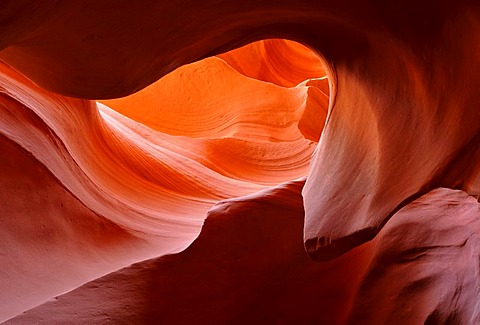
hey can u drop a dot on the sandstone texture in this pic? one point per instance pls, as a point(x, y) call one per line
point(240, 162)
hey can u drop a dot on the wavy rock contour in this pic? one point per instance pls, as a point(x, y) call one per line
point(108, 191)
point(400, 123)
point(96, 186)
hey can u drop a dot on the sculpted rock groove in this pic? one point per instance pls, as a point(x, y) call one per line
point(88, 172)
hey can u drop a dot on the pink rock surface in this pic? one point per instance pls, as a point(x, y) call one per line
point(248, 266)
point(426, 265)
point(50, 241)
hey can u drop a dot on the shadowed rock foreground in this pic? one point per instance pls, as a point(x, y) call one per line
point(179, 163)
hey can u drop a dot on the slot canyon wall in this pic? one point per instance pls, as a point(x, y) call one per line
point(240, 162)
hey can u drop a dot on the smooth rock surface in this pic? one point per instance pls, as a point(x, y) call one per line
point(403, 118)
point(248, 266)
point(85, 190)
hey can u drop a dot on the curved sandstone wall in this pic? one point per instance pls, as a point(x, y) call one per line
point(287, 162)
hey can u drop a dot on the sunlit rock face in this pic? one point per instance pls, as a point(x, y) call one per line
point(245, 185)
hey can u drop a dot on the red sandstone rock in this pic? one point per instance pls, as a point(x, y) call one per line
point(248, 266)
point(284, 63)
point(402, 120)
point(146, 192)
point(49, 241)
